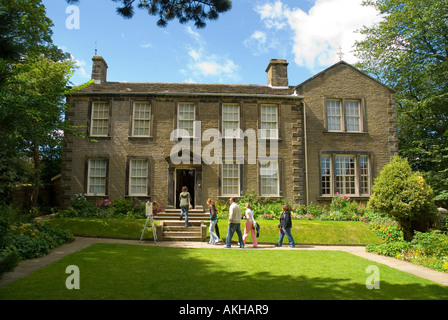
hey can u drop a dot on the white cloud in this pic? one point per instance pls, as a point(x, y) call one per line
point(145, 45)
point(318, 33)
point(80, 68)
point(203, 65)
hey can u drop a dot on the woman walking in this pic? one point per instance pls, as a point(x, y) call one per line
point(185, 200)
point(249, 216)
point(285, 228)
point(214, 239)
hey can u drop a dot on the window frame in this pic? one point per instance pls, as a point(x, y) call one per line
point(359, 176)
point(223, 129)
point(278, 178)
point(130, 177)
point(262, 134)
point(222, 177)
point(344, 116)
point(93, 120)
point(149, 120)
point(89, 176)
point(193, 104)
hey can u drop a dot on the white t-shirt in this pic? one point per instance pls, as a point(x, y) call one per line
point(249, 215)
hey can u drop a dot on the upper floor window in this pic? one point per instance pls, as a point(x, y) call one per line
point(269, 121)
point(230, 120)
point(344, 115)
point(99, 124)
point(185, 119)
point(141, 124)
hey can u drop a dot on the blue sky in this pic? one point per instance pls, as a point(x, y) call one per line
point(234, 49)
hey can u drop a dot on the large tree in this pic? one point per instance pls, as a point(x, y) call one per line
point(408, 50)
point(184, 10)
point(34, 75)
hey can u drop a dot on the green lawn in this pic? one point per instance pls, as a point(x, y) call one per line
point(303, 231)
point(113, 271)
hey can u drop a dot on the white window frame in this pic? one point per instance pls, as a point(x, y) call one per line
point(226, 131)
point(266, 175)
point(234, 179)
point(181, 119)
point(135, 176)
point(145, 120)
point(96, 118)
point(267, 132)
point(93, 176)
point(334, 115)
point(352, 119)
point(345, 177)
point(326, 177)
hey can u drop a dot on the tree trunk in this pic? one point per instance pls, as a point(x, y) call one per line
point(36, 184)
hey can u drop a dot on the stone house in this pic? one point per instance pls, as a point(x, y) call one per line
point(332, 133)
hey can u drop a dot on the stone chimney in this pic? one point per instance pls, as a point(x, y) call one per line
point(99, 69)
point(277, 73)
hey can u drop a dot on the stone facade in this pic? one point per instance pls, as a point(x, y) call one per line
point(118, 160)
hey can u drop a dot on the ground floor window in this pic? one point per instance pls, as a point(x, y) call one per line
point(345, 173)
point(97, 177)
point(138, 177)
point(269, 178)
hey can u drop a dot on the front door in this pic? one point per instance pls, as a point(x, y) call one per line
point(185, 177)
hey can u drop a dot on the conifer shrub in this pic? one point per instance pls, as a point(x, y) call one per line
point(404, 196)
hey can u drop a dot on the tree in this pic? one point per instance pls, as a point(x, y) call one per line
point(34, 75)
point(184, 10)
point(37, 94)
point(404, 196)
point(408, 50)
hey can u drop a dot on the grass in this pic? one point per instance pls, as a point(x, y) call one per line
point(303, 231)
point(113, 271)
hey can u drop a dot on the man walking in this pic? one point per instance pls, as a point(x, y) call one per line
point(234, 224)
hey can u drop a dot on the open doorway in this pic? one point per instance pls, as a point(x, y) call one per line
point(185, 177)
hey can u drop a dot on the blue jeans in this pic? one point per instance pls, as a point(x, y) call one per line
point(232, 228)
point(287, 232)
point(211, 230)
point(184, 210)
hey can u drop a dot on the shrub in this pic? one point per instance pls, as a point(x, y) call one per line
point(404, 196)
point(433, 243)
point(132, 208)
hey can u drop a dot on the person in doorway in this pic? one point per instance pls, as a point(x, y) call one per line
point(285, 228)
point(185, 200)
point(249, 216)
point(214, 239)
point(234, 224)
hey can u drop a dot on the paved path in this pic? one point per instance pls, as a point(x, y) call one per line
point(28, 266)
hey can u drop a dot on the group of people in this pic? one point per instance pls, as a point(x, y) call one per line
point(235, 225)
point(235, 222)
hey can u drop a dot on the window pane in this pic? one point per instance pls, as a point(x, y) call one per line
point(230, 178)
point(325, 175)
point(364, 175)
point(269, 121)
point(142, 117)
point(269, 177)
point(138, 177)
point(230, 120)
point(97, 176)
point(100, 119)
point(334, 115)
point(345, 175)
point(352, 117)
point(186, 117)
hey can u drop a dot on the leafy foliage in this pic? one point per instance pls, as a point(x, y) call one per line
point(404, 196)
point(182, 10)
point(407, 51)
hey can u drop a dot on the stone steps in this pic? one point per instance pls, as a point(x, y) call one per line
point(173, 229)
